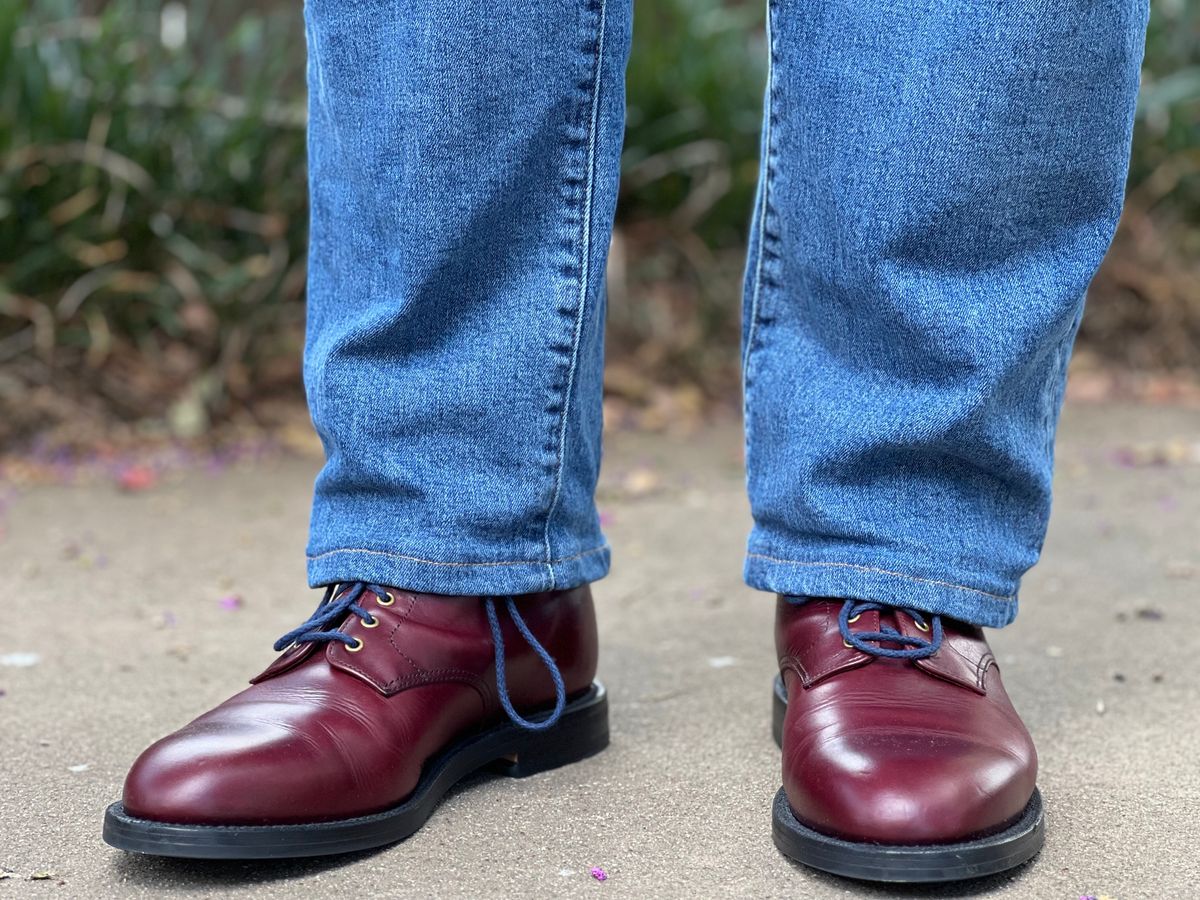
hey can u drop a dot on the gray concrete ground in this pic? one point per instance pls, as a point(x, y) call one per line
point(119, 595)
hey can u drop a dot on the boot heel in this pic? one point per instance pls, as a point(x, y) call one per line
point(581, 732)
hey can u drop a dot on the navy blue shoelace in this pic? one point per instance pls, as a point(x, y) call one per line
point(560, 689)
point(341, 600)
point(322, 624)
point(912, 647)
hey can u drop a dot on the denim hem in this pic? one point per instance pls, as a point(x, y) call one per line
point(861, 582)
point(450, 577)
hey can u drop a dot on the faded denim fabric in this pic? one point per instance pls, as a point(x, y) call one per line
point(463, 161)
point(939, 183)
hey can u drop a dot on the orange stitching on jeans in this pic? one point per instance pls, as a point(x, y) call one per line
point(841, 565)
point(434, 562)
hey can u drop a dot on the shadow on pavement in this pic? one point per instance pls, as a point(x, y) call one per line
point(975, 887)
point(200, 874)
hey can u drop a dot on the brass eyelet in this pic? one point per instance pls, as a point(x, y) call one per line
point(369, 623)
point(355, 647)
point(386, 600)
point(854, 619)
point(921, 626)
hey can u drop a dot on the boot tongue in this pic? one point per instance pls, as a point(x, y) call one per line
point(889, 619)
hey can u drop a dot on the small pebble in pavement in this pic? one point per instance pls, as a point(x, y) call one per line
point(20, 660)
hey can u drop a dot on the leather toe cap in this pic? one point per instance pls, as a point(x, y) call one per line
point(233, 773)
point(906, 787)
point(193, 778)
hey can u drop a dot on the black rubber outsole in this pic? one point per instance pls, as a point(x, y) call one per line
point(1013, 846)
point(512, 751)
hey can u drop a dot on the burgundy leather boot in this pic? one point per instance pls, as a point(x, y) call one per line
point(903, 758)
point(378, 704)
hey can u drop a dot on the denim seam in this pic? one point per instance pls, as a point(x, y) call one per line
point(585, 254)
point(765, 236)
point(765, 202)
point(841, 565)
point(435, 562)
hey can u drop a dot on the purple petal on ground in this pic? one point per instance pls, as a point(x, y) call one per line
point(1124, 457)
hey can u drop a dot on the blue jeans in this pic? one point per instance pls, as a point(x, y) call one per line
point(939, 182)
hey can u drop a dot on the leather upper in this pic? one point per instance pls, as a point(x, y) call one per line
point(327, 733)
point(897, 751)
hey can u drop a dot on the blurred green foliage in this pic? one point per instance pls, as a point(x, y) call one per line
point(695, 85)
point(152, 202)
point(1144, 306)
point(696, 78)
point(1166, 152)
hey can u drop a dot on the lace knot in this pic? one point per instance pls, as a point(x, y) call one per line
point(911, 646)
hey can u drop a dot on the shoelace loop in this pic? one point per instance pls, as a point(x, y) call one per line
point(560, 689)
point(343, 599)
point(866, 641)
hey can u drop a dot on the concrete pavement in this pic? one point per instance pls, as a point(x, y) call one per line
point(121, 625)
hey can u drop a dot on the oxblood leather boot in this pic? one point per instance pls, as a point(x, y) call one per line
point(903, 758)
point(377, 705)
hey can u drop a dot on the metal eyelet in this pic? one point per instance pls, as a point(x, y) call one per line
point(853, 619)
point(386, 600)
point(847, 644)
point(355, 647)
point(369, 623)
point(921, 626)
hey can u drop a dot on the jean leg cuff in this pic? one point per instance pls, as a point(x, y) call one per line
point(462, 578)
point(884, 585)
